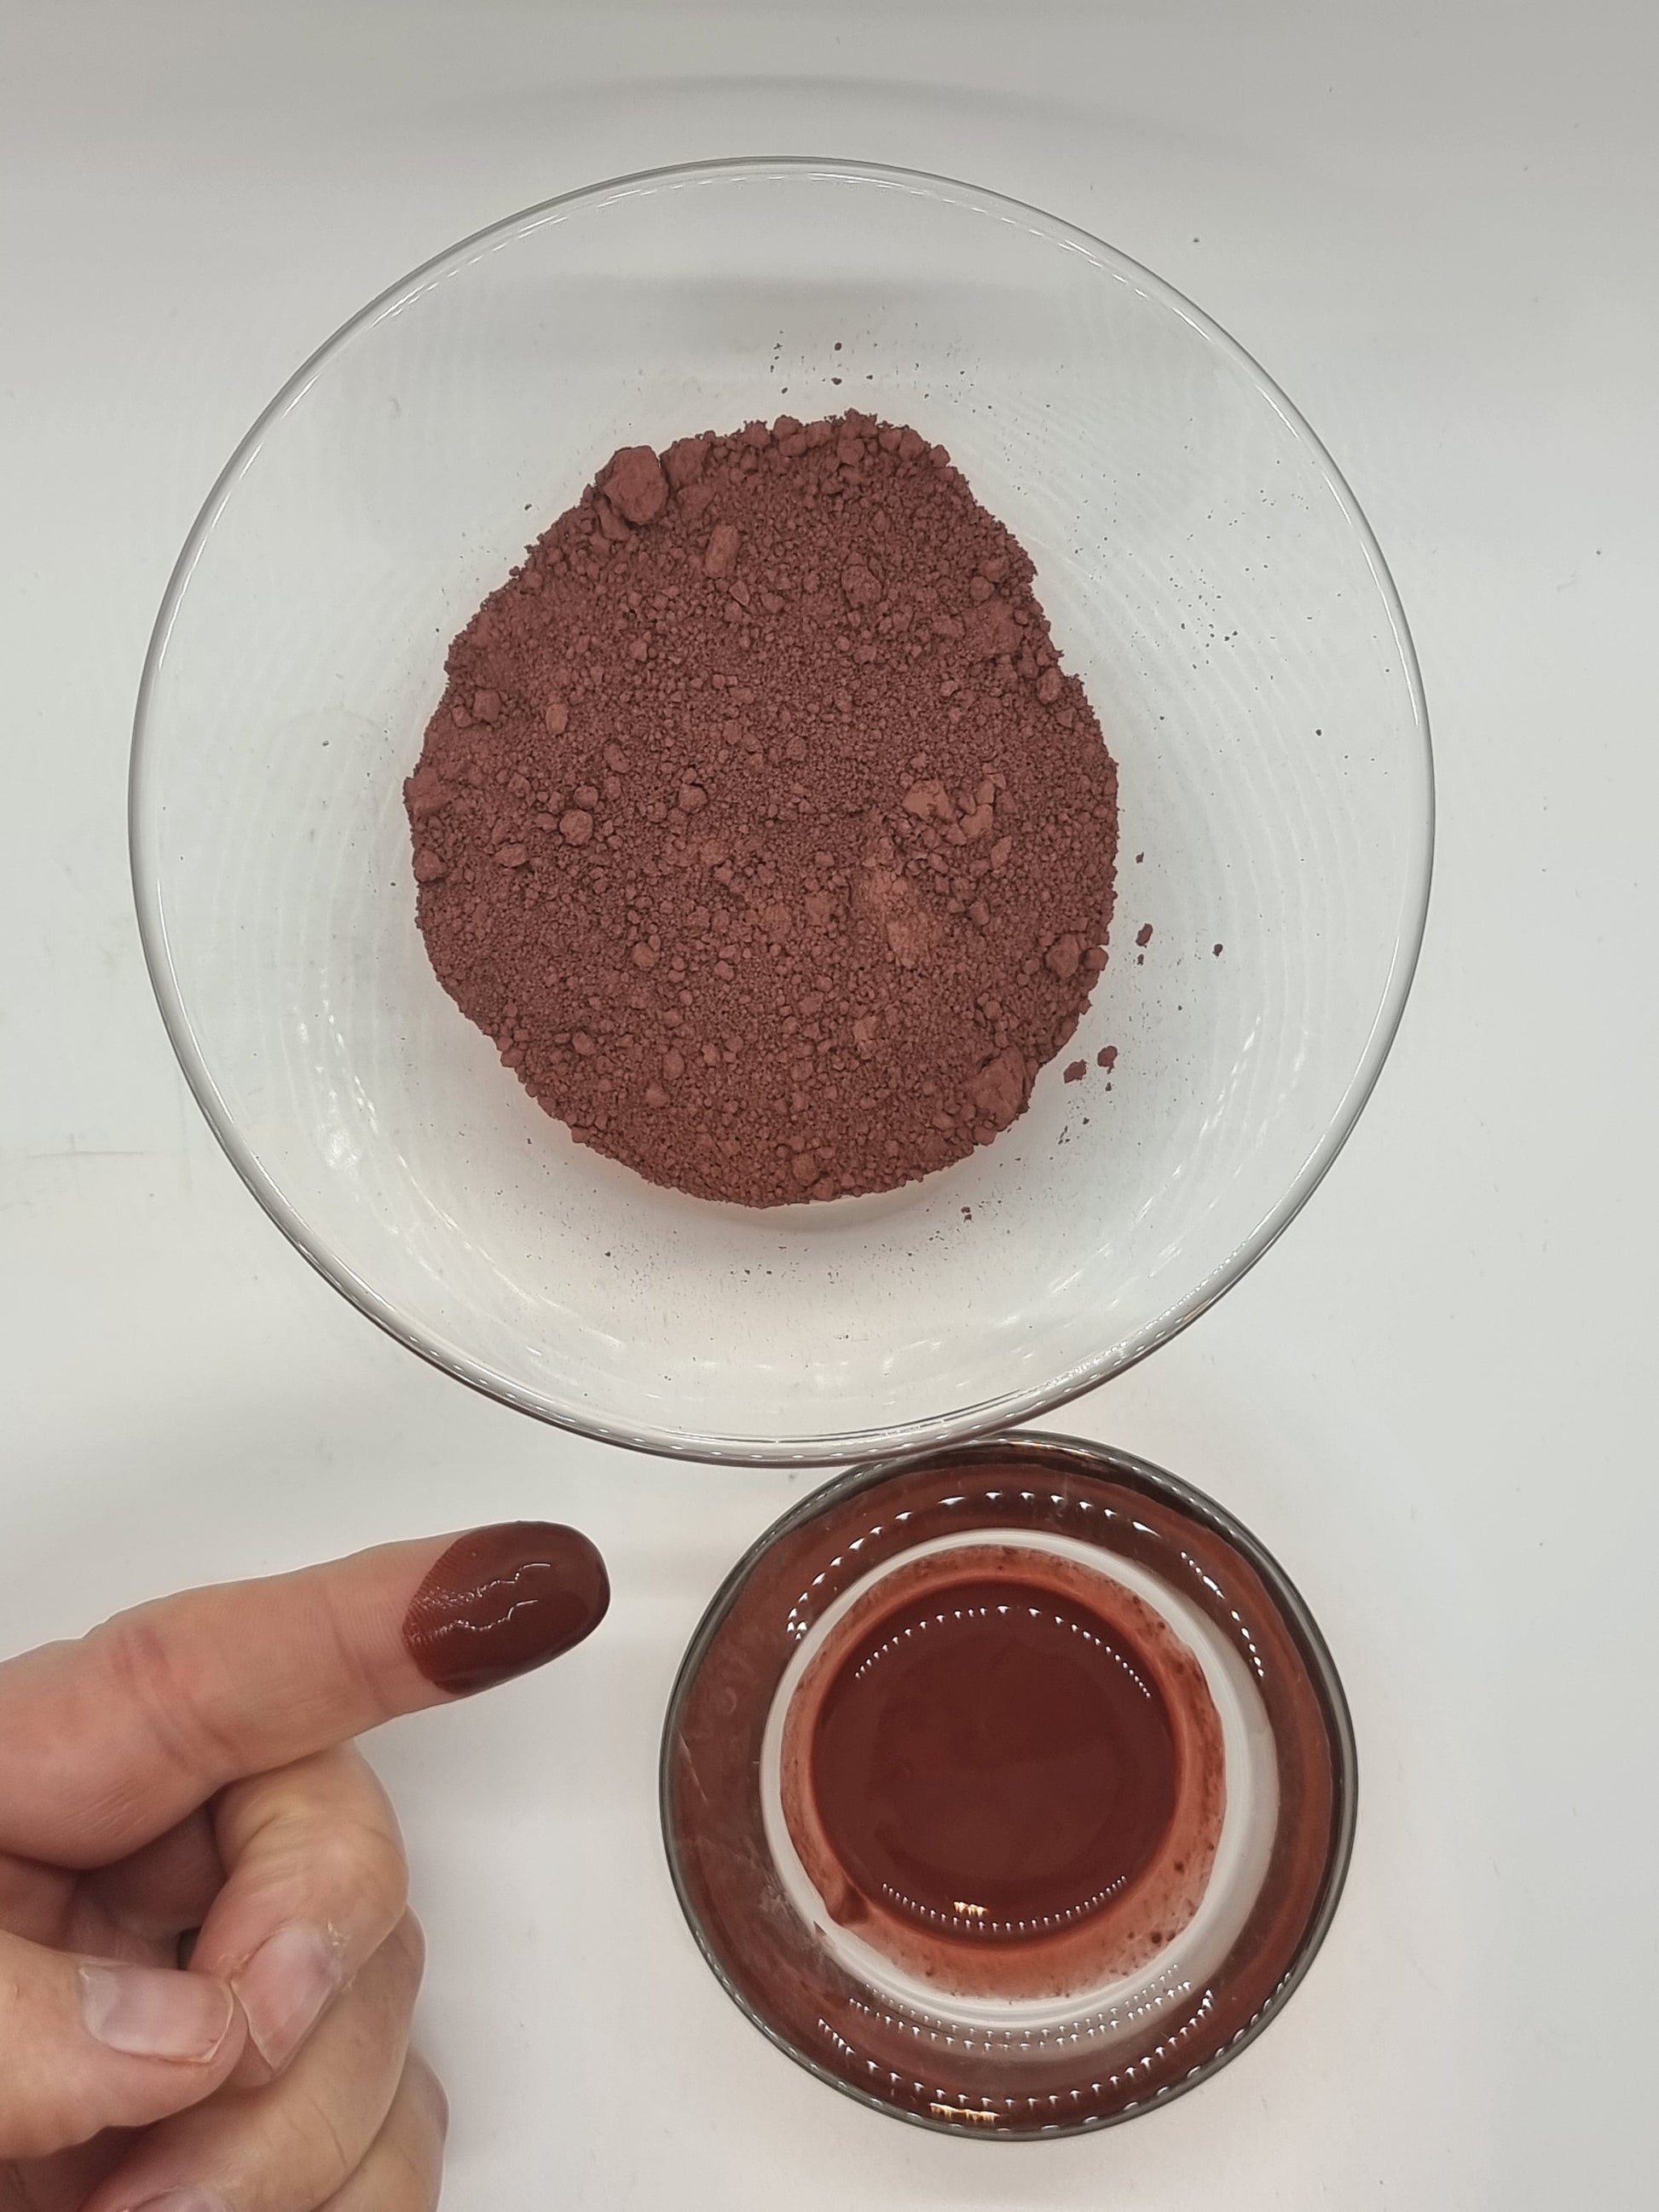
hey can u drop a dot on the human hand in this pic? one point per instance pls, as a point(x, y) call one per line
point(187, 1771)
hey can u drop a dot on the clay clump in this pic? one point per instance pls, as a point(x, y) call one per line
point(758, 823)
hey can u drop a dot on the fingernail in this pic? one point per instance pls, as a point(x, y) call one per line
point(285, 1987)
point(504, 1599)
point(184, 2200)
point(149, 2013)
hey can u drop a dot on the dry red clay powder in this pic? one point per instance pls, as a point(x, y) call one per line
point(759, 824)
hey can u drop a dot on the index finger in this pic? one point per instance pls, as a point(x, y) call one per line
point(106, 1743)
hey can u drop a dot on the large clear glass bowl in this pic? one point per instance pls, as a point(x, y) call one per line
point(1208, 573)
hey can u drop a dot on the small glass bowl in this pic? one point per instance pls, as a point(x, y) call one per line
point(1145, 2002)
point(1208, 573)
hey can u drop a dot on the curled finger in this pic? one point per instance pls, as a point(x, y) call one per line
point(315, 1882)
point(90, 2044)
point(293, 2145)
point(404, 2170)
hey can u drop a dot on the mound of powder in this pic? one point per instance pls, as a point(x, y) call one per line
point(759, 824)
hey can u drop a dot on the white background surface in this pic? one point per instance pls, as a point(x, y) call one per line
point(1436, 227)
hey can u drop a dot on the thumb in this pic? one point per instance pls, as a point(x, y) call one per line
point(89, 2044)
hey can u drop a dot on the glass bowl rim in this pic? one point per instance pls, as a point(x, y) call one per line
point(1040, 1447)
point(933, 1431)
